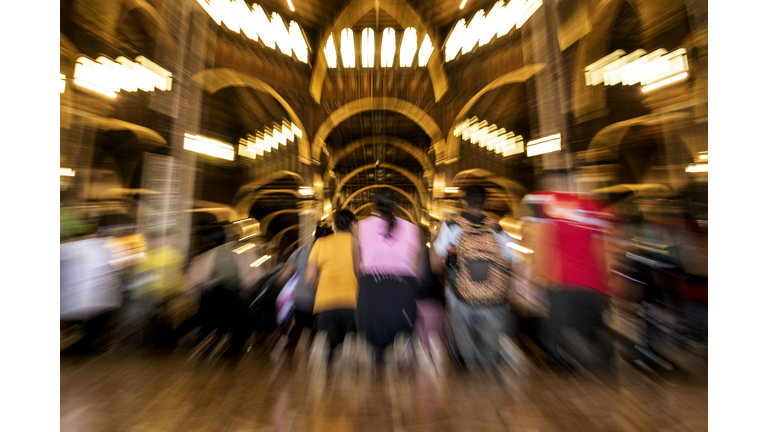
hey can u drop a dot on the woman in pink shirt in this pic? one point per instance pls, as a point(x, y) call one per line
point(390, 248)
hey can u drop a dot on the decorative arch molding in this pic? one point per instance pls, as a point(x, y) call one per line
point(517, 76)
point(513, 190)
point(412, 178)
point(398, 190)
point(254, 185)
point(589, 102)
point(402, 144)
point(291, 246)
point(244, 205)
point(217, 79)
point(157, 29)
point(406, 212)
point(266, 220)
point(413, 112)
point(405, 15)
point(275, 242)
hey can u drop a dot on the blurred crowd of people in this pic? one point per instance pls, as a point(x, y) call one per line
point(586, 278)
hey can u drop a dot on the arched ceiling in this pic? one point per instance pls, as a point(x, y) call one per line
point(233, 112)
point(377, 122)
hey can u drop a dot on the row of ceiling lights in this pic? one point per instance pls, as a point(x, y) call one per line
point(261, 142)
point(388, 47)
point(254, 23)
point(482, 28)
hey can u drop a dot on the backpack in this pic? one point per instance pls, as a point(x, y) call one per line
point(482, 274)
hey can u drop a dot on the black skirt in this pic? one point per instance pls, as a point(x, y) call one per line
point(386, 306)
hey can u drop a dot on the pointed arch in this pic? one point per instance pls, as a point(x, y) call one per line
point(406, 212)
point(256, 184)
point(413, 112)
point(413, 179)
point(216, 79)
point(243, 206)
point(396, 189)
point(513, 190)
point(266, 220)
point(405, 15)
point(517, 76)
point(275, 242)
point(402, 144)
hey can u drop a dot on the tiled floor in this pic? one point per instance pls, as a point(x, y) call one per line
point(130, 390)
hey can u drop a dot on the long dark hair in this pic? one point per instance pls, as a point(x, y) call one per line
point(344, 220)
point(385, 202)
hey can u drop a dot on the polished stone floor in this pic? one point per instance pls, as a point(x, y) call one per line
point(267, 389)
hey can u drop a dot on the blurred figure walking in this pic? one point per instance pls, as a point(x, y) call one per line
point(331, 267)
point(304, 295)
point(478, 268)
point(390, 252)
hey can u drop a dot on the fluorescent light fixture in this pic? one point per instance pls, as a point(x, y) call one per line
point(298, 42)
point(451, 190)
point(296, 130)
point(242, 220)
point(244, 248)
point(210, 11)
point(325, 216)
point(544, 145)
point(408, 47)
point(388, 47)
point(425, 51)
point(95, 88)
point(255, 24)
point(463, 2)
point(330, 52)
point(519, 248)
point(68, 172)
point(208, 146)
point(347, 48)
point(704, 156)
point(455, 40)
point(261, 260)
point(697, 168)
point(368, 47)
point(287, 131)
point(63, 83)
point(661, 83)
point(499, 21)
point(306, 191)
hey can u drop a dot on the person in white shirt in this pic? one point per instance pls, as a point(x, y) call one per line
point(478, 312)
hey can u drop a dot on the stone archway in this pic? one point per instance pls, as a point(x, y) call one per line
point(517, 76)
point(411, 149)
point(405, 15)
point(406, 212)
point(412, 178)
point(398, 190)
point(216, 79)
point(413, 112)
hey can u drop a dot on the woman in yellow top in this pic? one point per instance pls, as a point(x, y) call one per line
point(333, 257)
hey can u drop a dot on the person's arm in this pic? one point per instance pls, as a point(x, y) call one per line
point(357, 258)
point(439, 250)
point(312, 270)
point(287, 271)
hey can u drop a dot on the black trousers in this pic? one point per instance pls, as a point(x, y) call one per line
point(303, 320)
point(577, 309)
point(386, 306)
point(337, 323)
